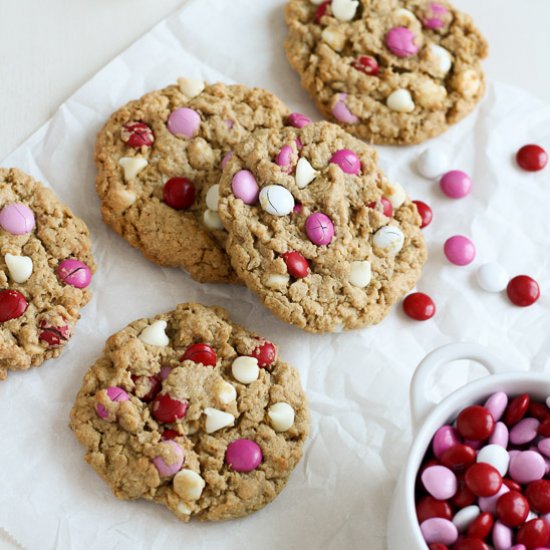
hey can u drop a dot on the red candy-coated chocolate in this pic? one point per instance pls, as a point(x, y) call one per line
point(296, 264)
point(55, 337)
point(179, 193)
point(483, 479)
point(475, 423)
point(481, 527)
point(322, 10)
point(463, 496)
point(458, 457)
point(366, 64)
point(168, 410)
point(419, 306)
point(425, 212)
point(137, 134)
point(387, 208)
point(470, 544)
point(534, 534)
point(538, 410)
point(200, 353)
point(544, 428)
point(429, 507)
point(12, 305)
point(516, 409)
point(169, 434)
point(538, 495)
point(265, 353)
point(512, 509)
point(523, 291)
point(511, 484)
point(532, 158)
point(152, 383)
point(438, 546)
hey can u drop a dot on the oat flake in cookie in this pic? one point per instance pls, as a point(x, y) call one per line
point(388, 71)
point(193, 412)
point(318, 232)
point(159, 161)
point(46, 267)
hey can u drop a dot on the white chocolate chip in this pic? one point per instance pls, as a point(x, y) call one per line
point(344, 10)
point(405, 17)
point(334, 37)
point(360, 273)
point(132, 166)
point(155, 334)
point(227, 393)
point(281, 416)
point(441, 58)
point(212, 220)
point(305, 173)
point(216, 420)
point(245, 369)
point(389, 238)
point(188, 484)
point(430, 94)
point(190, 87)
point(317, 2)
point(276, 200)
point(184, 509)
point(468, 83)
point(400, 101)
point(275, 280)
point(396, 194)
point(212, 197)
point(20, 267)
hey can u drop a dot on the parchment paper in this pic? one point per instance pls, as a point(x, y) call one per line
point(357, 382)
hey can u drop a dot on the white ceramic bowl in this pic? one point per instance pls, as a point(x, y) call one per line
point(427, 417)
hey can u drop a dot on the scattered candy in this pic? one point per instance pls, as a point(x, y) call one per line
point(419, 306)
point(456, 184)
point(432, 163)
point(298, 120)
point(245, 369)
point(243, 455)
point(168, 410)
point(137, 135)
point(276, 200)
point(155, 334)
point(341, 112)
point(74, 273)
point(460, 250)
point(347, 160)
point(216, 420)
point(179, 193)
point(265, 353)
point(401, 42)
point(319, 229)
point(532, 158)
point(188, 485)
point(17, 218)
point(200, 354)
point(425, 213)
point(170, 468)
point(344, 10)
point(19, 267)
point(523, 291)
point(401, 101)
point(492, 277)
point(389, 238)
point(366, 64)
point(305, 173)
point(360, 273)
point(296, 264)
point(184, 122)
point(132, 166)
point(281, 416)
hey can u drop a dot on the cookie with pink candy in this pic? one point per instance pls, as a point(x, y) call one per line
point(316, 229)
point(46, 269)
point(193, 412)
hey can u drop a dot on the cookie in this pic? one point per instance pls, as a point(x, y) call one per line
point(159, 160)
point(193, 412)
point(46, 266)
point(388, 71)
point(316, 230)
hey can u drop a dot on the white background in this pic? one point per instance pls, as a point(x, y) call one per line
point(49, 48)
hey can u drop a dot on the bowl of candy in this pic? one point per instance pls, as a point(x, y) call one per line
point(478, 471)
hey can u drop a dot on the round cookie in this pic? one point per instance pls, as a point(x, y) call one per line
point(158, 159)
point(388, 71)
point(326, 241)
point(193, 412)
point(45, 268)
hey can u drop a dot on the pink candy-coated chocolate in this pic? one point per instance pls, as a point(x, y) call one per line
point(524, 431)
point(526, 466)
point(496, 405)
point(319, 229)
point(440, 482)
point(245, 187)
point(74, 273)
point(439, 530)
point(117, 394)
point(243, 455)
point(284, 158)
point(184, 122)
point(165, 372)
point(455, 184)
point(17, 218)
point(460, 250)
point(165, 469)
point(341, 112)
point(226, 158)
point(502, 536)
point(347, 160)
point(500, 435)
point(299, 143)
point(445, 438)
point(544, 446)
point(298, 120)
point(401, 42)
point(229, 123)
point(434, 20)
point(489, 504)
point(137, 135)
point(101, 411)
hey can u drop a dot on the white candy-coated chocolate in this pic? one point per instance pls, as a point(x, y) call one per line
point(188, 485)
point(155, 334)
point(389, 238)
point(496, 456)
point(465, 516)
point(212, 220)
point(400, 101)
point(245, 369)
point(548, 402)
point(396, 194)
point(492, 277)
point(344, 10)
point(212, 197)
point(227, 393)
point(360, 273)
point(276, 200)
point(281, 416)
point(191, 87)
point(216, 420)
point(441, 57)
point(305, 173)
point(132, 166)
point(19, 267)
point(432, 162)
point(276, 280)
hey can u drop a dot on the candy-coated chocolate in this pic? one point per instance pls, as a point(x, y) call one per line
point(322, 10)
point(511, 484)
point(432, 162)
point(524, 431)
point(460, 250)
point(168, 410)
point(168, 469)
point(429, 507)
point(75, 273)
point(544, 428)
point(347, 160)
point(502, 536)
point(390, 239)
point(516, 409)
point(456, 184)
point(319, 229)
point(475, 422)
point(200, 353)
point(169, 434)
point(387, 208)
point(537, 410)
point(538, 495)
point(226, 158)
point(425, 213)
point(245, 187)
point(434, 19)
point(500, 435)
point(544, 446)
point(341, 112)
point(17, 218)
point(298, 120)
point(489, 504)
point(458, 457)
point(179, 193)
point(527, 466)
point(463, 496)
point(265, 353)
point(496, 404)
point(523, 291)
point(243, 455)
point(284, 158)
point(492, 277)
point(276, 200)
point(137, 135)
point(184, 122)
point(147, 387)
point(401, 41)
point(470, 544)
point(483, 479)
point(366, 64)
point(532, 158)
point(419, 306)
point(481, 527)
point(512, 509)
point(496, 456)
point(54, 336)
point(464, 517)
point(296, 264)
point(440, 482)
point(439, 530)
point(12, 305)
point(444, 438)
point(534, 534)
